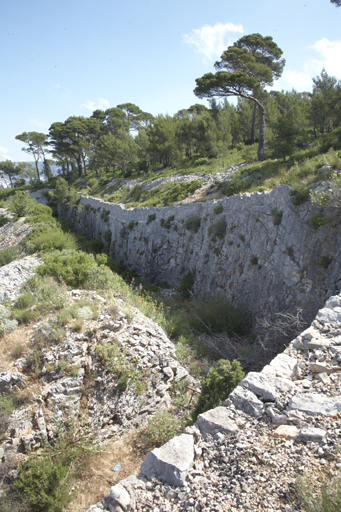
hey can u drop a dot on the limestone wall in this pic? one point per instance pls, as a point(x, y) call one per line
point(269, 257)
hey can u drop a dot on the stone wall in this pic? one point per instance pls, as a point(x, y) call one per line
point(269, 258)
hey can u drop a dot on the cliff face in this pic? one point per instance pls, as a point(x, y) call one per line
point(257, 249)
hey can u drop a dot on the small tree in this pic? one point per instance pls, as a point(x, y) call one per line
point(251, 64)
point(10, 169)
point(218, 384)
point(36, 146)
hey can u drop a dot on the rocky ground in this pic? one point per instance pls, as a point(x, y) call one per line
point(207, 179)
point(246, 455)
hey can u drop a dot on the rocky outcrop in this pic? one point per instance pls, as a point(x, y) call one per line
point(73, 378)
point(257, 249)
point(246, 455)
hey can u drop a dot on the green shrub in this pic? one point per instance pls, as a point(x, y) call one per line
point(41, 295)
point(21, 203)
point(276, 216)
point(3, 220)
point(217, 229)
point(136, 192)
point(7, 404)
point(131, 224)
point(51, 240)
point(186, 283)
point(92, 186)
point(8, 254)
point(317, 220)
point(254, 260)
point(162, 427)
point(234, 186)
point(151, 217)
point(218, 384)
point(218, 209)
point(44, 481)
point(167, 223)
point(76, 269)
point(299, 194)
point(192, 223)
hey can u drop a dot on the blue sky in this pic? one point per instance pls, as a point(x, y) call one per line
point(63, 58)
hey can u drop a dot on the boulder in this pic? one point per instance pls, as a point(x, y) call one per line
point(284, 366)
point(246, 401)
point(216, 420)
point(171, 462)
point(267, 387)
point(119, 496)
point(315, 405)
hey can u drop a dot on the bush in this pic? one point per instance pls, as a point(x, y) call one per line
point(44, 481)
point(299, 194)
point(151, 217)
point(4, 220)
point(186, 283)
point(217, 229)
point(167, 223)
point(51, 240)
point(21, 203)
point(218, 384)
point(218, 209)
point(76, 269)
point(162, 427)
point(107, 236)
point(8, 254)
point(254, 260)
point(192, 223)
point(317, 220)
point(276, 216)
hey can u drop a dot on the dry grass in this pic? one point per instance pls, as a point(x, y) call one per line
point(95, 482)
point(9, 343)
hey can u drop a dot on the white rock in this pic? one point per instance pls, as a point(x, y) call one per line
point(172, 461)
point(246, 401)
point(119, 496)
point(216, 420)
point(316, 405)
point(266, 387)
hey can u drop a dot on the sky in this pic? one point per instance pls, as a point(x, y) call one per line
point(69, 57)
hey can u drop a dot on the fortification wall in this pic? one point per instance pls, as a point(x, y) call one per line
point(268, 257)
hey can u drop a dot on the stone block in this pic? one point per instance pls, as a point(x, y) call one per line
point(171, 462)
point(315, 405)
point(216, 420)
point(267, 387)
point(246, 401)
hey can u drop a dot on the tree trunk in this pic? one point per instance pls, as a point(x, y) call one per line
point(253, 124)
point(79, 165)
point(37, 167)
point(261, 142)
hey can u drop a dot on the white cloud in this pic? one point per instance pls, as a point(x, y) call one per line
point(212, 41)
point(330, 52)
point(328, 58)
point(100, 103)
point(4, 154)
point(36, 123)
